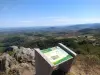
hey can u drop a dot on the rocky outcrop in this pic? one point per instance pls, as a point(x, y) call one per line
point(6, 62)
point(23, 55)
point(21, 68)
point(21, 62)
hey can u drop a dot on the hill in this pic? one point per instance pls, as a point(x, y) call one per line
point(51, 28)
point(90, 31)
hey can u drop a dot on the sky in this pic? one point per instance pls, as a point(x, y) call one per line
point(28, 13)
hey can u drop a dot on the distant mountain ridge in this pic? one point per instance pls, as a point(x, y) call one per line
point(76, 27)
point(84, 26)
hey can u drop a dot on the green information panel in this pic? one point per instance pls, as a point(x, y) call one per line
point(56, 55)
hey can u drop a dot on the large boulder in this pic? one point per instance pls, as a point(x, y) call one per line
point(20, 63)
point(6, 62)
point(24, 55)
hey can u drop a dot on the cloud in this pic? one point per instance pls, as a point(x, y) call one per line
point(50, 21)
point(77, 20)
point(16, 23)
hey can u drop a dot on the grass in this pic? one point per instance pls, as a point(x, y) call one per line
point(10, 53)
point(90, 49)
point(70, 73)
point(2, 49)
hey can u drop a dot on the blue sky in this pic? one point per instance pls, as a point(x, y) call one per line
point(26, 13)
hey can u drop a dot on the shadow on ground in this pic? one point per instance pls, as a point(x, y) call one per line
point(58, 72)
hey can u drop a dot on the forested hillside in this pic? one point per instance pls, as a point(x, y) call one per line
point(85, 42)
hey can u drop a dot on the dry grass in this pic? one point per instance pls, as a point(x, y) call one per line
point(85, 65)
